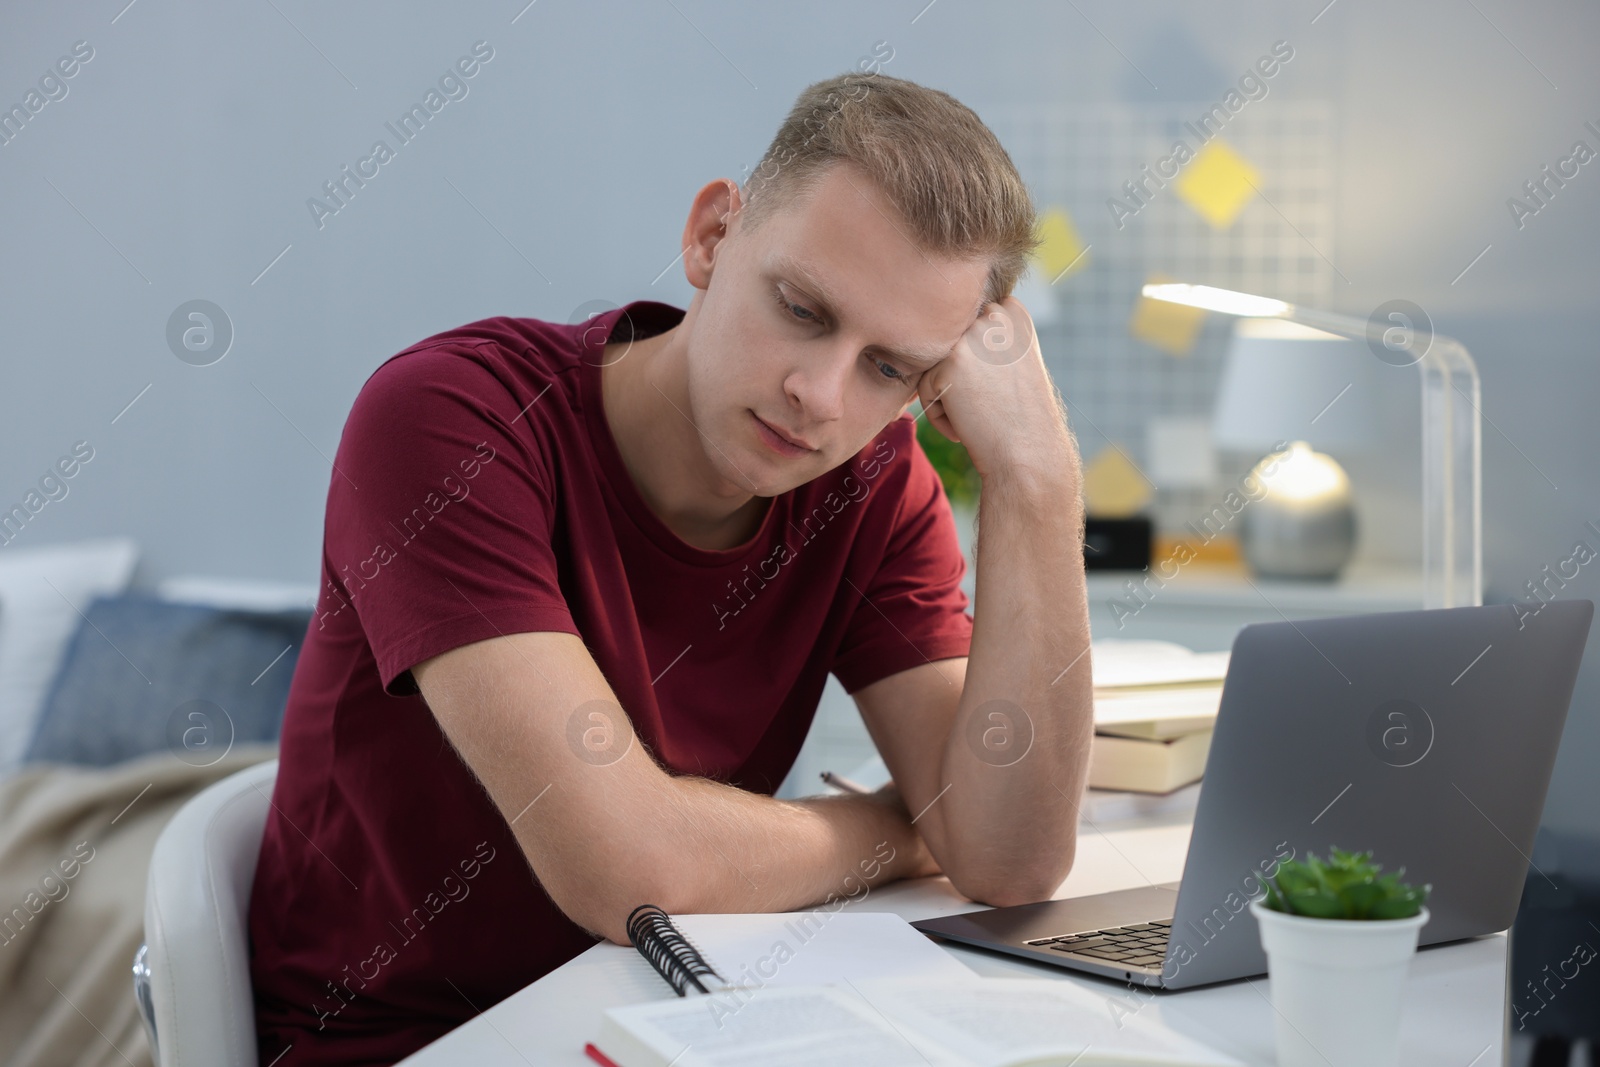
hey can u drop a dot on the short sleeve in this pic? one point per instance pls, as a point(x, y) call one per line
point(913, 610)
point(440, 513)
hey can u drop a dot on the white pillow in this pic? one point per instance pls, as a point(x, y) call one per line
point(42, 592)
point(239, 594)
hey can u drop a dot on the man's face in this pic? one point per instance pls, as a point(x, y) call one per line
point(815, 329)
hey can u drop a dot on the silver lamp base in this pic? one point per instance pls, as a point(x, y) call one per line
point(1292, 539)
point(1302, 525)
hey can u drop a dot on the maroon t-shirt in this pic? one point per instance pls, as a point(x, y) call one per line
point(478, 491)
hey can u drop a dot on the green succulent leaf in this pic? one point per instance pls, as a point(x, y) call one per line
point(1403, 906)
point(1297, 879)
point(1274, 899)
point(1361, 898)
point(1318, 904)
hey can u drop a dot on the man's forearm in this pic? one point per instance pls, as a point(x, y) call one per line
point(723, 849)
point(1017, 758)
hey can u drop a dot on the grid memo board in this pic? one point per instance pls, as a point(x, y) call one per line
point(1280, 245)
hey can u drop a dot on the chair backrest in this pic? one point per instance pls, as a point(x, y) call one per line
point(197, 905)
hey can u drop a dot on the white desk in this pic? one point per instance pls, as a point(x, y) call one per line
point(1454, 1002)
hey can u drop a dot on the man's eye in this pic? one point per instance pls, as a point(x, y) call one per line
point(890, 372)
point(790, 309)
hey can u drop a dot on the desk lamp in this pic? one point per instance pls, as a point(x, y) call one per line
point(1288, 384)
point(1452, 458)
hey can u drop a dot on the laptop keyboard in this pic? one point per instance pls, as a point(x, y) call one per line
point(1139, 945)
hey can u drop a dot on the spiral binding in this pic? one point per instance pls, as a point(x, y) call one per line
point(672, 955)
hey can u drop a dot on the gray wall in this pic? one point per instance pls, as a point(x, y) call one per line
point(178, 166)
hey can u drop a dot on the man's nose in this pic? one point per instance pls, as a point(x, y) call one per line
point(818, 388)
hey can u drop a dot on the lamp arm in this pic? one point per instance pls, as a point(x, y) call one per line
point(1452, 476)
point(1452, 459)
point(1333, 322)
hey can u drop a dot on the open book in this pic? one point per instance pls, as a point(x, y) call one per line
point(898, 1022)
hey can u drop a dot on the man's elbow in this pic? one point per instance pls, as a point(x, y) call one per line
point(1006, 892)
point(1001, 885)
point(601, 920)
point(602, 903)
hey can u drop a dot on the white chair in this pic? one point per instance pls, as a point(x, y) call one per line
point(192, 975)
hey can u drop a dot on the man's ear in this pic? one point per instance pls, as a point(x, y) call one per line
point(712, 217)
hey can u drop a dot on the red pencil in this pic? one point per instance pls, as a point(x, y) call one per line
point(599, 1057)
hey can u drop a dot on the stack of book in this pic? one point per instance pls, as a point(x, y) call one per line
point(1155, 705)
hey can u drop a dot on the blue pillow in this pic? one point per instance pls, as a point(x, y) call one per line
point(144, 675)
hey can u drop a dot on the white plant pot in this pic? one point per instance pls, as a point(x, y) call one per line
point(1337, 986)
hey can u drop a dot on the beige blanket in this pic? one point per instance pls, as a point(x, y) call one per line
point(75, 846)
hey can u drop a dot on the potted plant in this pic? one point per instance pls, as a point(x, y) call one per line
point(1339, 938)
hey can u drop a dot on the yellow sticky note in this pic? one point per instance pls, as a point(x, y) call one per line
point(1113, 486)
point(1218, 184)
point(1170, 327)
point(1060, 250)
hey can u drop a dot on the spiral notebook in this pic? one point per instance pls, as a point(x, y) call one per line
point(713, 953)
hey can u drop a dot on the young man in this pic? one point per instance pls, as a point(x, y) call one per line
point(584, 584)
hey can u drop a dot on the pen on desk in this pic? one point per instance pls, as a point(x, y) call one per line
point(843, 783)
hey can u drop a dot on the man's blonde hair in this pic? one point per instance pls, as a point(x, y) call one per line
point(953, 184)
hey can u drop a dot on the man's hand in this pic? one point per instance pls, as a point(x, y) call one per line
point(911, 860)
point(993, 394)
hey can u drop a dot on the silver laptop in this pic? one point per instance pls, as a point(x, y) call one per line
point(1427, 737)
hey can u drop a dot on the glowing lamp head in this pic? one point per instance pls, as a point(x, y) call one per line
point(1299, 474)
